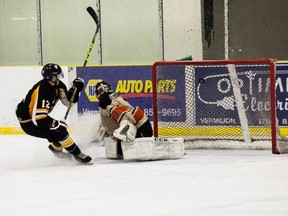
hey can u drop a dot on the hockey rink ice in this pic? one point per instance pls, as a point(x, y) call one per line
point(203, 182)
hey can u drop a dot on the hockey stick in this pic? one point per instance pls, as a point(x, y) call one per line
point(93, 14)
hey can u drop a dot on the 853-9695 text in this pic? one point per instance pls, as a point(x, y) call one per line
point(163, 112)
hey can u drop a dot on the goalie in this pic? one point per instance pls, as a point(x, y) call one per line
point(129, 128)
point(122, 121)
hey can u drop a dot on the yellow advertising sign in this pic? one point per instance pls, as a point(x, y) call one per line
point(90, 89)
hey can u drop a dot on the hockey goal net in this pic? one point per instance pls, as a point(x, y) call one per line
point(217, 100)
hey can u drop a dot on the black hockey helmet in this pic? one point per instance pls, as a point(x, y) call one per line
point(49, 70)
point(101, 88)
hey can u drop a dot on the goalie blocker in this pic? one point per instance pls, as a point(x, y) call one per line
point(146, 148)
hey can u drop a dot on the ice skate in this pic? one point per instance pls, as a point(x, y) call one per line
point(59, 153)
point(83, 158)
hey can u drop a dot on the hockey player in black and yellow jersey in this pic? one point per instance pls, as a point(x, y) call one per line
point(33, 112)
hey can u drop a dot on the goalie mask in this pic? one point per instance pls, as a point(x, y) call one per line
point(126, 132)
point(49, 70)
point(101, 88)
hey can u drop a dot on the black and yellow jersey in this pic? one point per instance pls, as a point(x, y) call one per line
point(40, 101)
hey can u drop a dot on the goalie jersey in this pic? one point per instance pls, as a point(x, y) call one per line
point(113, 109)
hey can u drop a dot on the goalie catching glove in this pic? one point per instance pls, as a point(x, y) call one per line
point(126, 132)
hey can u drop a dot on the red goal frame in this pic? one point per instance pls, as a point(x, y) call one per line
point(270, 62)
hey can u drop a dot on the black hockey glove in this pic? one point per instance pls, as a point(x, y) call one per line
point(104, 100)
point(78, 83)
point(58, 130)
point(58, 126)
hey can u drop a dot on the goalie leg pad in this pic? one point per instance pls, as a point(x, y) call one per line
point(110, 148)
point(149, 148)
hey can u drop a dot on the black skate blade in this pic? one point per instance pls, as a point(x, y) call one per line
point(63, 157)
point(82, 162)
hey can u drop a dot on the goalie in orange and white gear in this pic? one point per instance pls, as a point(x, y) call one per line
point(117, 113)
point(131, 131)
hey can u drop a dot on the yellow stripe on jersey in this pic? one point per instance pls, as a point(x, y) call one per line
point(33, 102)
point(35, 112)
point(38, 117)
point(42, 110)
point(25, 121)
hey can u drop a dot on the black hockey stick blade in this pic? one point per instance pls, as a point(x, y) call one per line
point(95, 17)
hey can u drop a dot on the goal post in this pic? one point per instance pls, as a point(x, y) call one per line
point(216, 100)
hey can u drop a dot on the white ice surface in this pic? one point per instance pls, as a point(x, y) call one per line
point(204, 182)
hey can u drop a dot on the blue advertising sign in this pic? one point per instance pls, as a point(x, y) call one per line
point(282, 93)
point(171, 93)
point(215, 101)
point(132, 82)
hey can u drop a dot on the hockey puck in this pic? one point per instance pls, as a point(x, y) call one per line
point(201, 80)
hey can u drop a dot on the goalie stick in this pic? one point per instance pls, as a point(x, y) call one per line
point(93, 14)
